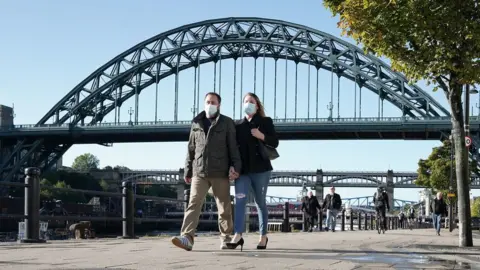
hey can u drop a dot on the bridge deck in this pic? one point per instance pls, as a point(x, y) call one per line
point(415, 249)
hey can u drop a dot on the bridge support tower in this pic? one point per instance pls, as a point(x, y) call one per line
point(390, 188)
point(6, 120)
point(319, 186)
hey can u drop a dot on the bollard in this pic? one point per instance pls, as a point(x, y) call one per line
point(304, 222)
point(343, 220)
point(351, 220)
point(32, 206)
point(128, 211)
point(286, 217)
point(366, 221)
point(186, 198)
point(371, 222)
point(359, 218)
point(320, 220)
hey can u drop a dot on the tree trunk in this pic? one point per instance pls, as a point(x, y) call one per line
point(461, 164)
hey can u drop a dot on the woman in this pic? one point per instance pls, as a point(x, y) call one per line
point(254, 129)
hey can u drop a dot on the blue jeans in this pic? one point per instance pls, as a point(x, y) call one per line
point(437, 221)
point(332, 219)
point(259, 184)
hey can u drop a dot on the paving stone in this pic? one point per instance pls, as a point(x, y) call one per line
point(401, 249)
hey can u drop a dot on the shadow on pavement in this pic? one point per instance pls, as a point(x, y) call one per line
point(398, 259)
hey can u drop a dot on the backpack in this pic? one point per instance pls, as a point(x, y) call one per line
point(379, 198)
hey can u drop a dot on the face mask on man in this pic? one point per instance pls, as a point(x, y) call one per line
point(211, 110)
point(249, 108)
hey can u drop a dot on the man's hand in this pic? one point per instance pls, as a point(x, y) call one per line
point(232, 174)
point(188, 180)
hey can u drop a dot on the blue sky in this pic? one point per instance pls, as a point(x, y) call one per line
point(48, 47)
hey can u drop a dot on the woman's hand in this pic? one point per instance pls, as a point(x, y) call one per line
point(257, 134)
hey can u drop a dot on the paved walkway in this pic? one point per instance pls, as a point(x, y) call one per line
point(417, 249)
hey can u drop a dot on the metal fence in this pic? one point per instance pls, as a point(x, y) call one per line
point(32, 215)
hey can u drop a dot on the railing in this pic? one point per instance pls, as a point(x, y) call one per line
point(362, 216)
point(32, 207)
point(277, 121)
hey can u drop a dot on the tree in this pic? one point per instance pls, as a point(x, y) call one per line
point(105, 186)
point(438, 41)
point(476, 207)
point(434, 172)
point(86, 162)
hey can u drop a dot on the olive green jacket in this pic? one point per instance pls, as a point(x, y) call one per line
point(212, 154)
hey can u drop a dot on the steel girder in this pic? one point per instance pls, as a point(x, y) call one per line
point(191, 45)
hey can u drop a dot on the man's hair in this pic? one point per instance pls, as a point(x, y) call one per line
point(214, 94)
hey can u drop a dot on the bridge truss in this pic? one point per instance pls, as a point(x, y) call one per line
point(188, 47)
point(367, 202)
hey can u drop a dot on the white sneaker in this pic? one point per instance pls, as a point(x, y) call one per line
point(182, 242)
point(223, 243)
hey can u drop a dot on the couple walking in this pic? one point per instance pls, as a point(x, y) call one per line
point(220, 150)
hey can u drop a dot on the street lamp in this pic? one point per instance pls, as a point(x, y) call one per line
point(130, 112)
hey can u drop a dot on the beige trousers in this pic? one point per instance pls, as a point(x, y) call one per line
point(198, 192)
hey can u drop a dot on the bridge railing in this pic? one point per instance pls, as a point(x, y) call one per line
point(276, 120)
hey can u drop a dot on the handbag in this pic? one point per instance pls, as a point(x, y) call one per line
point(267, 152)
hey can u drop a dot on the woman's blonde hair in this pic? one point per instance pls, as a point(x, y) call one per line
point(261, 109)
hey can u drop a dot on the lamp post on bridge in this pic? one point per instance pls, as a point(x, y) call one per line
point(130, 112)
point(194, 111)
point(330, 108)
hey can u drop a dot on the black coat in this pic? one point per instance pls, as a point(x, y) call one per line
point(332, 202)
point(310, 206)
point(252, 161)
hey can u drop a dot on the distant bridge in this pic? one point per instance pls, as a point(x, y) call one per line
point(298, 178)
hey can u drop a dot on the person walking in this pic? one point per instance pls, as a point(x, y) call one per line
point(257, 141)
point(310, 207)
point(438, 207)
point(212, 158)
point(380, 200)
point(333, 204)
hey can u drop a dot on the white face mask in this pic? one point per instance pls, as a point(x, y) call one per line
point(211, 110)
point(249, 108)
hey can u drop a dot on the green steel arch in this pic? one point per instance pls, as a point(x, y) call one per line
point(168, 53)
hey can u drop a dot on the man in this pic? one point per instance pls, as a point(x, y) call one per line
point(212, 159)
point(411, 217)
point(438, 209)
point(401, 218)
point(380, 200)
point(309, 207)
point(333, 204)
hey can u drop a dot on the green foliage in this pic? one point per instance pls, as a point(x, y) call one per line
point(435, 40)
point(475, 209)
point(105, 186)
point(425, 39)
point(434, 172)
point(66, 179)
point(86, 162)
